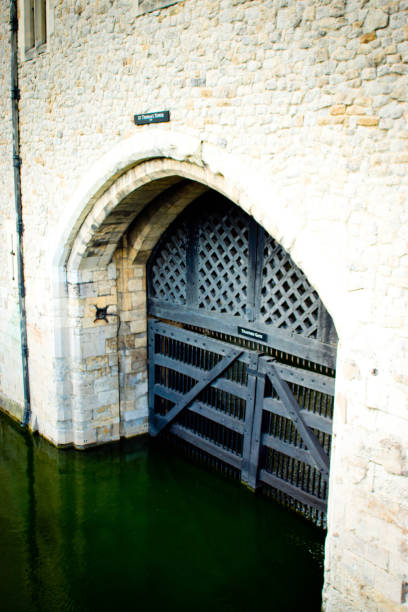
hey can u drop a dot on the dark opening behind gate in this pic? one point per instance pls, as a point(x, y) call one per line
point(241, 354)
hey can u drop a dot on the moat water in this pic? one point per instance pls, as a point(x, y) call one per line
point(136, 526)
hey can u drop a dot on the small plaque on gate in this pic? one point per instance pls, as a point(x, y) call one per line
point(252, 335)
point(158, 117)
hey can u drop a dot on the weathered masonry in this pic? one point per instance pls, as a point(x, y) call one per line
point(288, 141)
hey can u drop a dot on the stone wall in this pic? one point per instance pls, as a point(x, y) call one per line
point(297, 111)
point(11, 393)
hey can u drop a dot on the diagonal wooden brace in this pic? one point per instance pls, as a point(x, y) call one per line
point(160, 422)
point(319, 456)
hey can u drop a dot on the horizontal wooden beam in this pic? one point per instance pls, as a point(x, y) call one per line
point(301, 454)
point(194, 339)
point(223, 384)
point(316, 421)
point(305, 378)
point(209, 412)
point(288, 342)
point(292, 491)
point(206, 445)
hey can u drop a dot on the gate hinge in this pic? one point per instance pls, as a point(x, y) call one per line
point(13, 23)
point(15, 93)
point(16, 161)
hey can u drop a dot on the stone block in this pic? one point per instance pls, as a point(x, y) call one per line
point(375, 20)
point(83, 438)
point(366, 38)
point(108, 396)
point(106, 433)
point(112, 275)
point(93, 342)
point(105, 383)
point(391, 455)
point(393, 110)
point(368, 121)
point(137, 427)
point(338, 109)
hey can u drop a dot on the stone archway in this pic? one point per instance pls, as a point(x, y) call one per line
point(109, 217)
point(108, 397)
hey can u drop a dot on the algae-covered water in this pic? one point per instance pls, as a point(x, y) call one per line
point(136, 526)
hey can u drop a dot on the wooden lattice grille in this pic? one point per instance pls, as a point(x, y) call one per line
point(223, 262)
point(288, 300)
point(169, 269)
point(217, 259)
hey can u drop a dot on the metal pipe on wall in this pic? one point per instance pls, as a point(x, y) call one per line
point(15, 96)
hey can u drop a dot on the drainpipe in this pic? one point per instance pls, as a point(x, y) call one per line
point(15, 96)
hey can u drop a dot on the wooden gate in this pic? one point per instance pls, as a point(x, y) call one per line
point(241, 354)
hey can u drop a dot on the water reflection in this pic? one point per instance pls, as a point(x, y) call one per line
point(134, 526)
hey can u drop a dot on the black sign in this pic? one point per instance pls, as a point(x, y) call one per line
point(159, 117)
point(253, 335)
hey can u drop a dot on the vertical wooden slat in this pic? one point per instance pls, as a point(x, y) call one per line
point(252, 373)
point(252, 270)
point(151, 355)
point(256, 431)
point(192, 264)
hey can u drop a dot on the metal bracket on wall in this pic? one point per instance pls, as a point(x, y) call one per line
point(101, 314)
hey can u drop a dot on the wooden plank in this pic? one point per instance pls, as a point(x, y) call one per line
point(295, 492)
point(327, 330)
point(276, 406)
point(304, 378)
point(288, 342)
point(309, 438)
point(256, 432)
point(179, 366)
point(252, 373)
point(160, 422)
point(259, 274)
point(251, 310)
point(166, 393)
point(209, 412)
point(230, 386)
point(206, 445)
point(193, 338)
point(223, 384)
point(192, 261)
point(301, 454)
point(316, 421)
point(218, 416)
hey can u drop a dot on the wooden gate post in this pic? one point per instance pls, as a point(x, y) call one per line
point(252, 373)
point(256, 430)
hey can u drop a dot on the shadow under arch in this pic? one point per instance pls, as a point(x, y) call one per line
point(140, 205)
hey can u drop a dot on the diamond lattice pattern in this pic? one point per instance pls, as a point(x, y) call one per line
point(288, 301)
point(223, 262)
point(168, 271)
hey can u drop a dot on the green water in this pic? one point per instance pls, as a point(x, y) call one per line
point(137, 527)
